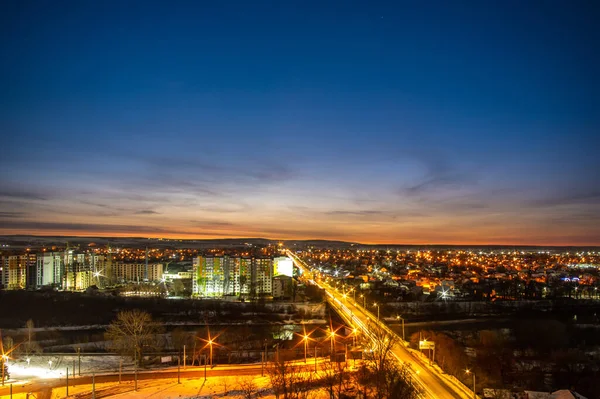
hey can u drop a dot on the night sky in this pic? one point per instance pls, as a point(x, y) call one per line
point(424, 122)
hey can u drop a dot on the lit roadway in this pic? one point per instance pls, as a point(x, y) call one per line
point(432, 383)
point(197, 372)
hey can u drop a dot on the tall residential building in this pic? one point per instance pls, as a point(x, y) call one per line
point(18, 265)
point(136, 272)
point(49, 269)
point(4, 271)
point(262, 276)
point(216, 276)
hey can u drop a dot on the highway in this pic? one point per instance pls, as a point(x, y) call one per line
point(432, 383)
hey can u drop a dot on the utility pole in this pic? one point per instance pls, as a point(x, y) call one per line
point(315, 358)
point(79, 359)
point(67, 381)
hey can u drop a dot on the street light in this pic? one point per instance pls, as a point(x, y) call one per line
point(305, 346)
point(354, 332)
point(467, 371)
point(398, 317)
point(332, 338)
point(210, 344)
point(364, 300)
point(375, 304)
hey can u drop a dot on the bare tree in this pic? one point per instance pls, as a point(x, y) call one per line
point(248, 388)
point(31, 346)
point(290, 382)
point(132, 333)
point(338, 381)
point(382, 377)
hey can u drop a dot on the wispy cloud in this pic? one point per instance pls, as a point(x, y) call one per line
point(81, 227)
point(147, 212)
point(23, 194)
point(12, 214)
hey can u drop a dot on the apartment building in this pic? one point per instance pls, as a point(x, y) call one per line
point(216, 276)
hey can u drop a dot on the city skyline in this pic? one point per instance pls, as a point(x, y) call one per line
point(377, 123)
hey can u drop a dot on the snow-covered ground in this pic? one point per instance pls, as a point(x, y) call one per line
point(213, 387)
point(189, 388)
point(47, 367)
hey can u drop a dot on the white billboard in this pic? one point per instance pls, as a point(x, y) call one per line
point(284, 266)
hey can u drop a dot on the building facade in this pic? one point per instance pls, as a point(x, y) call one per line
point(136, 272)
point(18, 267)
point(216, 276)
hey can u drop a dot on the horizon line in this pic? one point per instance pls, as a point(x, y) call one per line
point(306, 239)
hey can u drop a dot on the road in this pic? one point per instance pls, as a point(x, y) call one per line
point(190, 372)
point(432, 383)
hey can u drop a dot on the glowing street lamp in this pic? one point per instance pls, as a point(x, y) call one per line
point(376, 304)
point(332, 339)
point(305, 346)
point(354, 332)
point(398, 317)
point(467, 371)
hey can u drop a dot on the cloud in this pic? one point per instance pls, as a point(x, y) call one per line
point(18, 193)
point(215, 224)
point(365, 212)
point(147, 212)
point(81, 227)
point(12, 214)
point(569, 197)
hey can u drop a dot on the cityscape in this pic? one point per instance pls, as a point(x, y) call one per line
point(299, 200)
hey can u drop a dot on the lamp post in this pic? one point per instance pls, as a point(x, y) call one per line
point(305, 346)
point(469, 372)
point(354, 332)
point(210, 344)
point(332, 338)
point(398, 317)
point(377, 305)
point(364, 300)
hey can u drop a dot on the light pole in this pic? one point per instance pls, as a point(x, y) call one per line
point(210, 344)
point(364, 300)
point(469, 372)
point(376, 304)
point(355, 331)
point(305, 346)
point(398, 317)
point(332, 338)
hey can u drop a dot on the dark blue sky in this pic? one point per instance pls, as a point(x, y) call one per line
point(428, 122)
